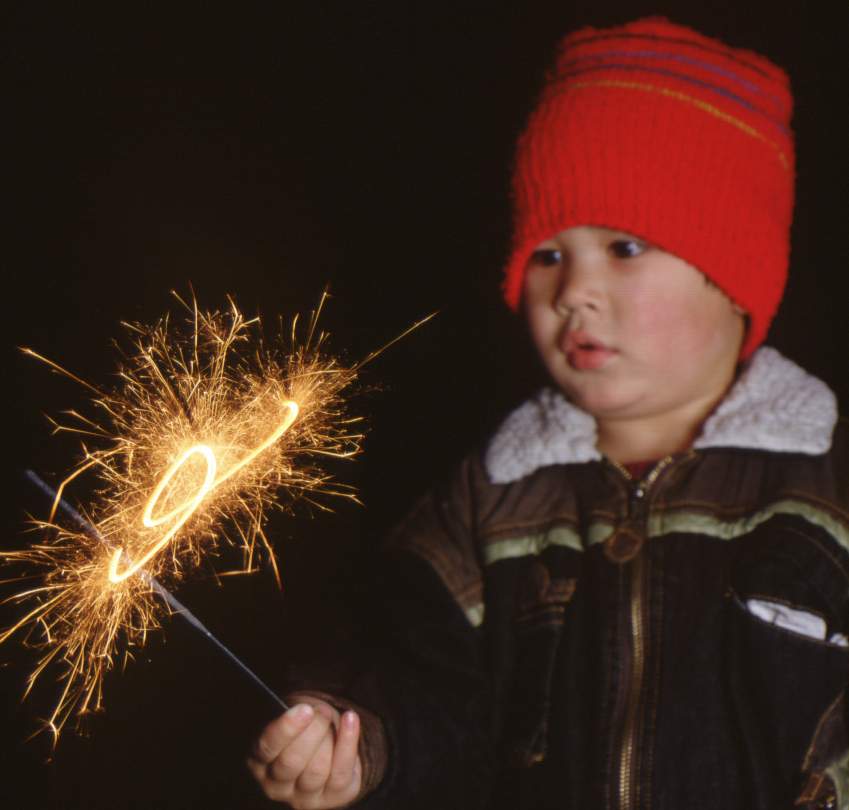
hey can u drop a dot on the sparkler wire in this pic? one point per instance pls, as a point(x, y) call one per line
point(172, 601)
point(219, 388)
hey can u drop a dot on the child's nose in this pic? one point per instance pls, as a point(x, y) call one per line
point(580, 287)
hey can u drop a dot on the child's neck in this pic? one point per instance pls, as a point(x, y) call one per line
point(632, 440)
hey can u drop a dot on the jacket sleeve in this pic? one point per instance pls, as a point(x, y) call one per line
point(428, 680)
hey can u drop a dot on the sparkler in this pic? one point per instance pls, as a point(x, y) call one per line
point(173, 603)
point(208, 427)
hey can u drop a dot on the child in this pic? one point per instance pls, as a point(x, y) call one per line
point(636, 596)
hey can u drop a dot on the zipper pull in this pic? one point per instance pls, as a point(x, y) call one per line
point(637, 501)
point(623, 545)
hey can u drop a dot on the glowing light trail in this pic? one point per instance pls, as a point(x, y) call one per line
point(186, 509)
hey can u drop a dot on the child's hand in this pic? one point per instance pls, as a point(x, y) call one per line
point(308, 757)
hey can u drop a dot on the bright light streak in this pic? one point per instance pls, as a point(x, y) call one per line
point(182, 513)
point(186, 509)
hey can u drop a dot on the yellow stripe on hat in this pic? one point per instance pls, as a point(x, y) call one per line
point(696, 102)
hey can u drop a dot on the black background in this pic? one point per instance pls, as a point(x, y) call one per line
point(268, 151)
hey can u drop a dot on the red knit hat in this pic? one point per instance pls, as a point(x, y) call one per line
point(653, 129)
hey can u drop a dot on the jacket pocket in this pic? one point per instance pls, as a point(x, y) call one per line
point(786, 619)
point(789, 576)
point(539, 616)
point(780, 683)
point(802, 630)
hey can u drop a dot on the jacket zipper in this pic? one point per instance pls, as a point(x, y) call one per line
point(630, 727)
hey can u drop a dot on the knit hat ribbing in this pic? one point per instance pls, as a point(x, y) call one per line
point(656, 130)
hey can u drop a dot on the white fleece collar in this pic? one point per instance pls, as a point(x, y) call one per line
point(774, 405)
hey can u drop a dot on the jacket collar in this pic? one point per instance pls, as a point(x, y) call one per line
point(774, 405)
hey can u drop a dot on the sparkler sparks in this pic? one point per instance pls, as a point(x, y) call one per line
point(207, 429)
point(182, 512)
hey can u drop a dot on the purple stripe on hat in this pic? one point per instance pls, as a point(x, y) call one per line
point(691, 43)
point(692, 80)
point(728, 74)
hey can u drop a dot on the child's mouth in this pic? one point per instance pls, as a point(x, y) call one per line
point(584, 353)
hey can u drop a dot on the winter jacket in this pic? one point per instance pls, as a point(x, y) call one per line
point(563, 636)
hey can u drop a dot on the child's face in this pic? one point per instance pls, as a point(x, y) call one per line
point(628, 331)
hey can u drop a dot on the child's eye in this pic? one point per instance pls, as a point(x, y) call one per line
point(627, 248)
point(546, 257)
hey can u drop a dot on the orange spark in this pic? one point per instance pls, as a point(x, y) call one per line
point(184, 511)
point(235, 424)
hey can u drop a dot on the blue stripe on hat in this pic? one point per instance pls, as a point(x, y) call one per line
point(683, 77)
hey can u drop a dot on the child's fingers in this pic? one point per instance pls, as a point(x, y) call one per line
point(309, 755)
point(291, 762)
point(314, 775)
point(343, 770)
point(280, 732)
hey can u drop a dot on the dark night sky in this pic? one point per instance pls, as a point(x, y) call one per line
point(269, 153)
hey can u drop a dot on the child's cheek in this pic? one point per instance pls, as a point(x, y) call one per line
point(671, 320)
point(654, 313)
